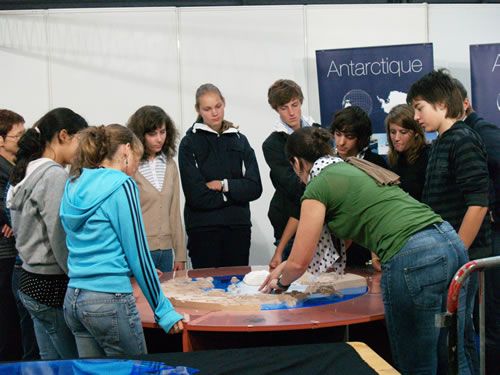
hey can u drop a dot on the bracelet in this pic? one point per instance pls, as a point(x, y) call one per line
point(280, 285)
point(222, 185)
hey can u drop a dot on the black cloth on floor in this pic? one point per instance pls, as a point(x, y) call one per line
point(331, 358)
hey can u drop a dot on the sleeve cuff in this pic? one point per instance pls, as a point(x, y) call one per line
point(476, 199)
point(168, 320)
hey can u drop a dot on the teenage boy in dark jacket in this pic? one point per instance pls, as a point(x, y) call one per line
point(285, 97)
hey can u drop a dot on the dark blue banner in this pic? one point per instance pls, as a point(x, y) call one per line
point(373, 78)
point(485, 81)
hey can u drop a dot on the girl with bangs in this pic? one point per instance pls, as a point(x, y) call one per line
point(408, 150)
point(158, 181)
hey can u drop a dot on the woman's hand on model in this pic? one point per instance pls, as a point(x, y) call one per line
point(270, 283)
point(215, 185)
point(179, 266)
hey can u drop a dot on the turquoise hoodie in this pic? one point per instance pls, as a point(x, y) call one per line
point(101, 214)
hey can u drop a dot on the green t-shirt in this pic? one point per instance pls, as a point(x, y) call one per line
point(380, 218)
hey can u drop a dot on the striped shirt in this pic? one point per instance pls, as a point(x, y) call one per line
point(154, 170)
point(457, 178)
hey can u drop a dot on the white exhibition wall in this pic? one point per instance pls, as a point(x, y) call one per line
point(105, 63)
point(453, 28)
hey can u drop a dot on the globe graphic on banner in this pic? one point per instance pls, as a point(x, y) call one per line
point(360, 98)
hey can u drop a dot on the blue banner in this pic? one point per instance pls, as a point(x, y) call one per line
point(373, 78)
point(485, 81)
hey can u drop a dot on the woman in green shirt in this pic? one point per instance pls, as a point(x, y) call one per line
point(419, 251)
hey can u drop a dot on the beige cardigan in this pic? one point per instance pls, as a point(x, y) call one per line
point(161, 212)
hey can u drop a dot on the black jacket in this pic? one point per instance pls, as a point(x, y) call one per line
point(490, 134)
point(413, 175)
point(286, 199)
point(7, 245)
point(205, 155)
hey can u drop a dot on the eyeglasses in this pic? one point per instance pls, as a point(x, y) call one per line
point(16, 137)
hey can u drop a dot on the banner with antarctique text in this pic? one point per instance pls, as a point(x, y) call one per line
point(373, 78)
point(485, 80)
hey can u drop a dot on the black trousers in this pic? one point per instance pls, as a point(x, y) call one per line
point(492, 310)
point(220, 246)
point(357, 255)
point(10, 334)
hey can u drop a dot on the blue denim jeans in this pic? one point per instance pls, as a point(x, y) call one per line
point(29, 344)
point(471, 332)
point(163, 259)
point(414, 288)
point(53, 336)
point(492, 306)
point(104, 324)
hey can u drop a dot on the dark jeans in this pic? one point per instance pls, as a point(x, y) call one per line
point(29, 344)
point(219, 246)
point(492, 310)
point(10, 345)
point(163, 259)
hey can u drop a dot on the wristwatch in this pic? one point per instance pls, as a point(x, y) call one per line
point(280, 285)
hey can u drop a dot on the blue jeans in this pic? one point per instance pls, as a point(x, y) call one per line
point(163, 259)
point(29, 344)
point(104, 324)
point(471, 347)
point(53, 336)
point(492, 309)
point(414, 289)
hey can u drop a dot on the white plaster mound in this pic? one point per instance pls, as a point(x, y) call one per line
point(255, 278)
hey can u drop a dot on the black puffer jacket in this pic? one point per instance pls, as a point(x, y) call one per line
point(205, 155)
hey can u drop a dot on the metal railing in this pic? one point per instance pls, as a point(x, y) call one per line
point(478, 265)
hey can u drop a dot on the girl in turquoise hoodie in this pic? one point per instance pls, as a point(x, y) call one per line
point(101, 215)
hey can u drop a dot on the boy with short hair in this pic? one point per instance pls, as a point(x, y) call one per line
point(352, 129)
point(456, 183)
point(285, 97)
